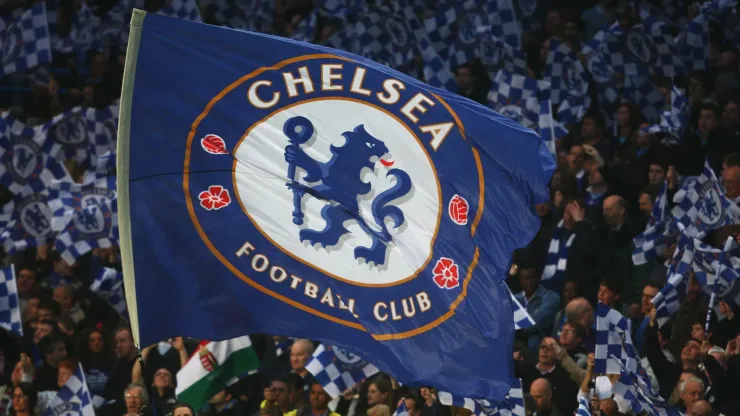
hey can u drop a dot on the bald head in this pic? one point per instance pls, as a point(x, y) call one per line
point(700, 408)
point(579, 310)
point(300, 352)
point(614, 210)
point(609, 407)
point(541, 392)
point(731, 181)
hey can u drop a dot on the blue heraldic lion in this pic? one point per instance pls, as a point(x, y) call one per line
point(341, 185)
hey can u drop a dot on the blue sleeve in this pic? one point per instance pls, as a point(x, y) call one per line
point(548, 308)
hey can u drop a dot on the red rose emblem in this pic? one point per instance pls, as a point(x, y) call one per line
point(446, 274)
point(216, 197)
point(213, 144)
point(458, 210)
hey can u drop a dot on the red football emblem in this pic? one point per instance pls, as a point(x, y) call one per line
point(458, 210)
point(446, 274)
point(213, 144)
point(216, 197)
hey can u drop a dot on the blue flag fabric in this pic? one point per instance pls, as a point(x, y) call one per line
point(281, 187)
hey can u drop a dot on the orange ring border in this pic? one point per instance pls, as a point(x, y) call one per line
point(254, 284)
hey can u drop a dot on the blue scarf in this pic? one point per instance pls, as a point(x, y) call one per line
point(557, 258)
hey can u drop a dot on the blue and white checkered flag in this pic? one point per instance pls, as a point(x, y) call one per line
point(707, 260)
point(641, 90)
point(557, 257)
point(10, 307)
point(338, 369)
point(549, 128)
point(183, 10)
point(305, 31)
point(83, 133)
point(25, 42)
point(584, 407)
point(252, 15)
point(613, 339)
point(512, 405)
point(693, 43)
point(437, 72)
point(25, 221)
point(493, 52)
point(101, 167)
point(701, 205)
point(668, 300)
point(673, 122)
point(73, 398)
point(384, 37)
point(659, 233)
point(568, 83)
point(522, 319)
point(346, 11)
point(516, 97)
point(632, 388)
point(401, 410)
point(83, 33)
point(724, 12)
point(108, 284)
point(27, 157)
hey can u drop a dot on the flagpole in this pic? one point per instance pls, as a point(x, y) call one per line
point(713, 298)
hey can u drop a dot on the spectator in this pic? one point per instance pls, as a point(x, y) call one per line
point(280, 394)
point(540, 303)
point(692, 390)
point(183, 409)
point(700, 408)
point(318, 403)
point(580, 311)
point(547, 367)
point(24, 400)
point(55, 351)
point(541, 392)
point(571, 340)
point(136, 398)
point(120, 377)
point(570, 292)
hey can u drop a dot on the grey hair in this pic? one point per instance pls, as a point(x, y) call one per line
point(307, 342)
point(144, 394)
point(682, 385)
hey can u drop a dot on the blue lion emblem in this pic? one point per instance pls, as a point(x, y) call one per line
point(341, 186)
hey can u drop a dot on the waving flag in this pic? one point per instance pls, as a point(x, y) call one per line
point(701, 205)
point(512, 405)
point(338, 369)
point(296, 203)
point(516, 97)
point(673, 122)
point(613, 342)
point(25, 41)
point(86, 217)
point(83, 132)
point(522, 318)
point(28, 159)
point(549, 128)
point(718, 271)
point(26, 221)
point(108, 284)
point(73, 398)
point(693, 43)
point(668, 300)
point(568, 83)
point(402, 410)
point(10, 307)
point(659, 233)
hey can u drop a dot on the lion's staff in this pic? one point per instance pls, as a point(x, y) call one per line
point(299, 130)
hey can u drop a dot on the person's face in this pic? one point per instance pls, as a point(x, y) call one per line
point(162, 378)
point(464, 78)
point(546, 355)
point(570, 292)
point(646, 204)
point(731, 181)
point(690, 351)
point(552, 22)
point(595, 178)
point(528, 280)
point(318, 397)
point(544, 50)
point(648, 293)
point(62, 298)
point(542, 209)
point(298, 356)
point(20, 401)
point(692, 393)
point(541, 398)
point(42, 330)
point(124, 344)
point(279, 391)
point(568, 337)
point(44, 314)
point(26, 281)
point(32, 309)
point(656, 175)
point(410, 405)
point(424, 392)
point(576, 158)
point(375, 396)
point(607, 296)
point(570, 31)
point(95, 342)
point(697, 332)
point(707, 121)
point(63, 375)
point(696, 89)
point(182, 411)
point(623, 117)
point(588, 128)
point(730, 116)
point(58, 353)
point(134, 400)
point(612, 212)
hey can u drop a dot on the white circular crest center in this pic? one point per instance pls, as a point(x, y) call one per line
point(262, 174)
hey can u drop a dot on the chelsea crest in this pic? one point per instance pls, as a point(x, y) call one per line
point(337, 175)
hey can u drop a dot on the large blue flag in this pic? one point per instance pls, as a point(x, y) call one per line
point(274, 186)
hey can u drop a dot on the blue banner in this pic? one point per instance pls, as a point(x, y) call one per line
point(268, 185)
